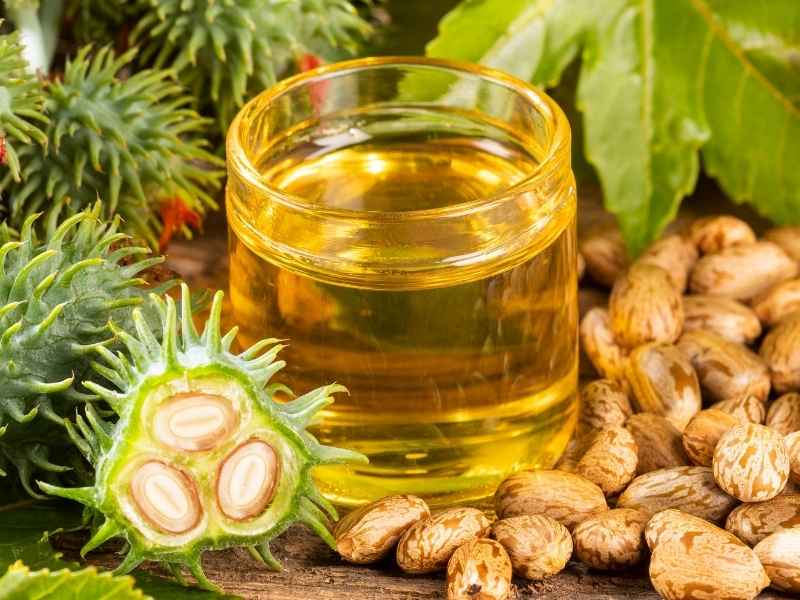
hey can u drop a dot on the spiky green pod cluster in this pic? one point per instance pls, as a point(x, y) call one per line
point(57, 296)
point(21, 104)
point(202, 456)
point(224, 50)
point(96, 20)
point(131, 141)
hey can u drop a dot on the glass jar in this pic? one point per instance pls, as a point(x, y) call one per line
point(408, 225)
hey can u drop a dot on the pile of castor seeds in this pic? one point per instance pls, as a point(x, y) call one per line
point(687, 449)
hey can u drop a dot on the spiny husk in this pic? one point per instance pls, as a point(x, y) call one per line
point(57, 296)
point(152, 373)
point(131, 141)
point(21, 104)
point(225, 50)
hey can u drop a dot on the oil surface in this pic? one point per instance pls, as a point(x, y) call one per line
point(452, 386)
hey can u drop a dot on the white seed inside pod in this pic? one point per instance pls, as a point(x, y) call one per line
point(247, 480)
point(195, 421)
point(166, 497)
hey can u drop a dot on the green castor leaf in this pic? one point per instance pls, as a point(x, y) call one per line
point(132, 142)
point(20, 583)
point(21, 104)
point(202, 456)
point(57, 297)
point(226, 50)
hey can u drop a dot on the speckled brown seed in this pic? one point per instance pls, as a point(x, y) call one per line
point(369, 533)
point(603, 249)
point(715, 233)
point(428, 544)
point(663, 382)
point(727, 318)
point(645, 307)
point(780, 555)
point(566, 497)
point(659, 442)
point(539, 546)
point(777, 302)
point(479, 570)
point(703, 432)
point(780, 350)
point(792, 442)
point(747, 409)
point(754, 521)
point(673, 524)
point(787, 237)
point(751, 463)
point(599, 345)
point(610, 460)
point(604, 403)
point(675, 254)
point(706, 564)
point(611, 540)
point(575, 450)
point(742, 272)
point(689, 489)
point(725, 369)
point(784, 414)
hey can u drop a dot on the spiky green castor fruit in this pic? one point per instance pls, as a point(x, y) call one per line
point(132, 142)
point(224, 50)
point(202, 456)
point(21, 104)
point(57, 296)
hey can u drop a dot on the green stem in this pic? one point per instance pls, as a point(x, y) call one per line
point(39, 37)
point(51, 12)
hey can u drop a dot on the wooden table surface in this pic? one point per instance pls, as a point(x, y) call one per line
point(314, 572)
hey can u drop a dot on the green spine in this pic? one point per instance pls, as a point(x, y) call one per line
point(21, 104)
point(149, 376)
point(133, 142)
point(227, 50)
point(57, 297)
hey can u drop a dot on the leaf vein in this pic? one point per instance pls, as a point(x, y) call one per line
point(707, 15)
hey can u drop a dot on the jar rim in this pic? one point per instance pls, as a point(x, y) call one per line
point(557, 148)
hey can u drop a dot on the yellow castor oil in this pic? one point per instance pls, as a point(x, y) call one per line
point(409, 227)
